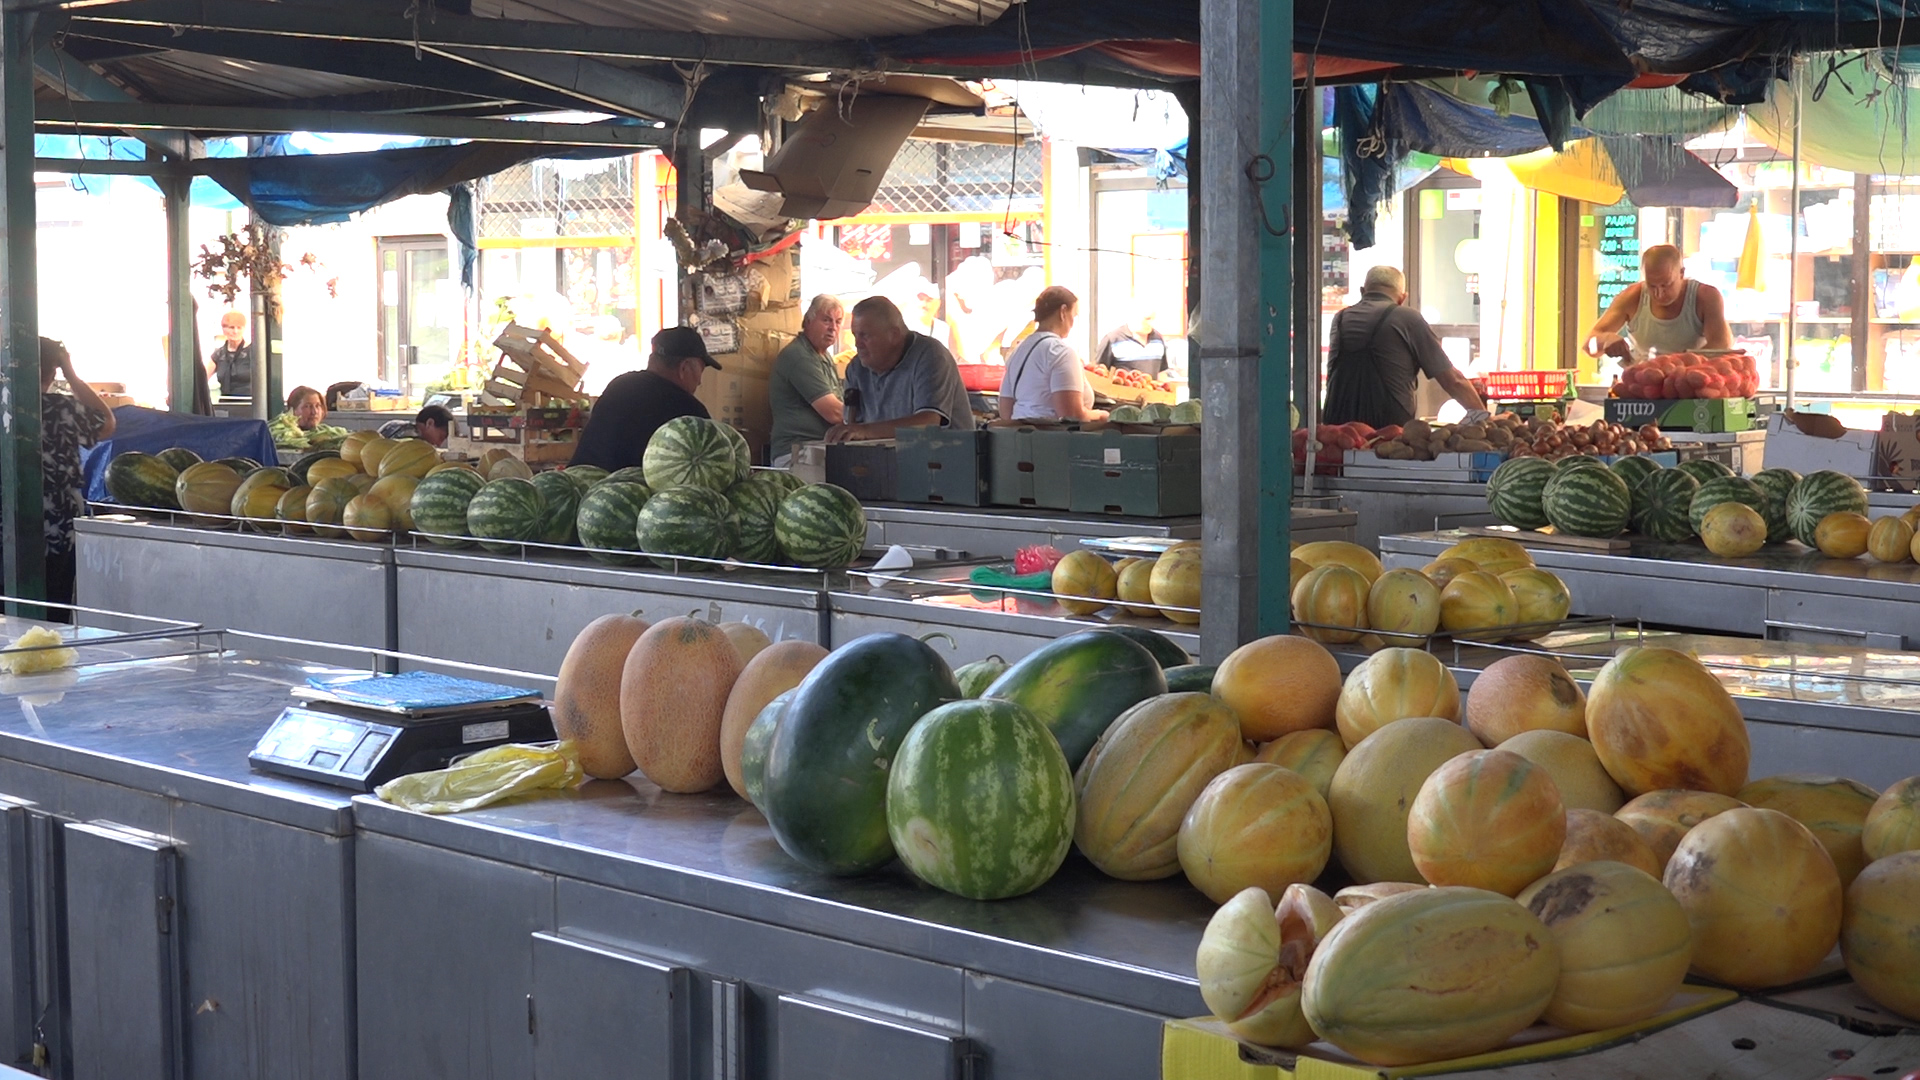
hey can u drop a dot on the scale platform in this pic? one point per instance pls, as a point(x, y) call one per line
point(360, 749)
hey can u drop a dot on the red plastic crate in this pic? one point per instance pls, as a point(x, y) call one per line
point(982, 377)
point(1527, 385)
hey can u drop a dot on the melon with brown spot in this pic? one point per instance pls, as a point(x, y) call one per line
point(586, 699)
point(771, 672)
point(673, 698)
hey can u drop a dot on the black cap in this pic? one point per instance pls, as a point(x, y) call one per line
point(682, 343)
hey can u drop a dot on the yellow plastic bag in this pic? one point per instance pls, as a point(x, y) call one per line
point(493, 774)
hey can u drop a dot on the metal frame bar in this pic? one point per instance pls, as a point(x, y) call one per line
point(135, 115)
point(22, 509)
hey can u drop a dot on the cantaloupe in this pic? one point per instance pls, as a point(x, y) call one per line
point(586, 699)
point(673, 696)
point(748, 640)
point(770, 673)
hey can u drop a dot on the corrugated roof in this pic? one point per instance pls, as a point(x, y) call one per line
point(821, 20)
point(195, 79)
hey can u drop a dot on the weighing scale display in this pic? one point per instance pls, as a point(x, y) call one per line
point(345, 749)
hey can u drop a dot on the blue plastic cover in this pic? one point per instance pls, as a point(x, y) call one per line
point(150, 431)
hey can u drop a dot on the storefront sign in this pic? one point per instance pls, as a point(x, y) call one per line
point(1619, 254)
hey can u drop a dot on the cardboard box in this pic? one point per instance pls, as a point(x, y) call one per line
point(1896, 464)
point(1801, 442)
point(774, 282)
point(809, 462)
point(867, 469)
point(1030, 466)
point(1702, 414)
point(1136, 475)
point(832, 162)
point(939, 465)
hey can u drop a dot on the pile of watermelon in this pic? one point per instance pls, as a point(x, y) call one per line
point(1679, 376)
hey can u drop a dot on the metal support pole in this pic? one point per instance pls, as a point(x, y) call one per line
point(1246, 177)
point(22, 506)
point(1793, 246)
point(268, 361)
point(1306, 261)
point(183, 367)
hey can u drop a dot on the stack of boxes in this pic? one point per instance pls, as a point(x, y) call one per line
point(746, 315)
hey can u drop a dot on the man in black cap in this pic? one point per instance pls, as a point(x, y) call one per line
point(636, 403)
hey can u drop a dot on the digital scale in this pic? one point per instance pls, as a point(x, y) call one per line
point(346, 744)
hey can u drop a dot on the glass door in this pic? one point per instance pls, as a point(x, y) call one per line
point(419, 306)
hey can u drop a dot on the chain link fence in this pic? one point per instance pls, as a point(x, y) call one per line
point(559, 198)
point(937, 177)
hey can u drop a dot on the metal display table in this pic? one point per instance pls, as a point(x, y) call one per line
point(1783, 592)
point(124, 785)
point(617, 930)
point(339, 592)
point(1386, 507)
point(996, 532)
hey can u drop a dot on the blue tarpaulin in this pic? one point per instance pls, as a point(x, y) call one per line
point(151, 430)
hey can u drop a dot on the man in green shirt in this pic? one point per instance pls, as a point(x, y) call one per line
point(804, 390)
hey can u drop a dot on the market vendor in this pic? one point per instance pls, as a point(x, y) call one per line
point(804, 389)
point(635, 404)
point(68, 422)
point(1044, 380)
point(431, 425)
point(1662, 312)
point(898, 379)
point(1134, 344)
point(233, 360)
point(1376, 349)
point(303, 426)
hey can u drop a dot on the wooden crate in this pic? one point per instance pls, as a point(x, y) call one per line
point(534, 370)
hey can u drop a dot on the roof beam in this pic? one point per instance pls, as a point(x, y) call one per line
point(77, 80)
point(238, 120)
point(614, 89)
point(407, 100)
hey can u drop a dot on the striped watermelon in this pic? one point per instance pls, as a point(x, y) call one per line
point(327, 506)
point(136, 479)
point(690, 521)
point(787, 482)
point(1513, 491)
point(632, 474)
point(1776, 485)
point(1634, 468)
point(439, 505)
point(1662, 502)
point(584, 476)
point(1578, 461)
point(1722, 489)
point(756, 502)
point(562, 498)
point(179, 457)
point(1587, 502)
point(1819, 494)
point(1704, 469)
point(822, 526)
point(742, 453)
point(980, 800)
point(504, 513)
point(607, 520)
point(692, 450)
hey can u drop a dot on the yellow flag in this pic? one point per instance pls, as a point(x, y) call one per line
point(1752, 270)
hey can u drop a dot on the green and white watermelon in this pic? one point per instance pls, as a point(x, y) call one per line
point(179, 457)
point(694, 451)
point(822, 526)
point(1776, 485)
point(1663, 502)
point(584, 476)
point(781, 478)
point(1704, 469)
point(439, 505)
point(687, 521)
point(1634, 468)
point(562, 498)
point(1722, 489)
point(504, 513)
point(632, 474)
point(1587, 502)
point(980, 800)
point(756, 502)
point(1513, 491)
point(1578, 461)
point(136, 479)
point(607, 521)
point(1819, 494)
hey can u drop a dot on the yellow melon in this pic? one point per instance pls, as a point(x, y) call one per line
point(1575, 768)
point(1525, 693)
point(1833, 807)
point(350, 447)
point(292, 510)
point(1394, 684)
point(1142, 776)
point(1330, 603)
point(1374, 788)
point(1880, 934)
point(1340, 553)
point(1475, 603)
point(406, 457)
point(1842, 535)
point(1733, 530)
point(328, 468)
point(1490, 553)
point(1890, 540)
point(1625, 944)
point(1911, 515)
point(1542, 597)
point(1596, 837)
point(1893, 822)
point(1295, 571)
point(1278, 685)
point(1658, 719)
point(1354, 897)
point(1255, 825)
point(1253, 961)
point(1487, 819)
point(1133, 583)
point(1174, 584)
point(1441, 571)
point(1085, 575)
point(1403, 607)
point(509, 466)
point(396, 490)
point(1315, 754)
point(772, 671)
point(1664, 818)
point(372, 451)
point(586, 698)
point(1761, 894)
point(367, 518)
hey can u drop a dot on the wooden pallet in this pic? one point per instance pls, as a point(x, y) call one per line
point(534, 369)
point(1556, 541)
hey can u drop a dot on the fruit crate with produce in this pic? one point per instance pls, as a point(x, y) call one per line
point(1128, 386)
point(1708, 392)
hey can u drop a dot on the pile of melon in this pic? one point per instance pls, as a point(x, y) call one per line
point(1482, 589)
point(1523, 853)
point(1167, 586)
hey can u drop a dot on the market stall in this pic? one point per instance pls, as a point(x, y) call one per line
point(998, 532)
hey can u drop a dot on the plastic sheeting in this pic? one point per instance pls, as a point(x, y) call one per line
point(151, 431)
point(1859, 121)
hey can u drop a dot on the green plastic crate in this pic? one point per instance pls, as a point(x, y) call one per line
point(938, 465)
point(1135, 475)
point(1029, 466)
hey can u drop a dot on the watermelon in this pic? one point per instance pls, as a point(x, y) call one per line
point(742, 453)
point(607, 519)
point(440, 502)
point(1513, 491)
point(1722, 489)
point(298, 470)
point(1704, 469)
point(1819, 494)
point(562, 499)
point(1164, 649)
point(584, 476)
point(1578, 461)
point(825, 786)
point(136, 479)
point(822, 526)
point(1587, 502)
point(753, 748)
point(686, 521)
point(1662, 502)
point(1078, 684)
point(292, 510)
point(694, 451)
point(786, 481)
point(980, 800)
point(1191, 679)
point(1634, 468)
point(179, 457)
point(632, 474)
point(505, 513)
point(756, 503)
point(1776, 485)
point(974, 678)
point(327, 505)
point(241, 465)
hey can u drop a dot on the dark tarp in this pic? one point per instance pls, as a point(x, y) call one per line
point(151, 431)
point(1661, 171)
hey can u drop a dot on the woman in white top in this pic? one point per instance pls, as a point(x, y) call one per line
point(1043, 379)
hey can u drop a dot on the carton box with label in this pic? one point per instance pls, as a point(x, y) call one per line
point(1030, 466)
point(1810, 442)
point(1137, 475)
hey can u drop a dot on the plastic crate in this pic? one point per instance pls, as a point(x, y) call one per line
point(1527, 385)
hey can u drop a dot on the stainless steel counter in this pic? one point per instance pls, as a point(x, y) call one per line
point(1386, 507)
point(996, 532)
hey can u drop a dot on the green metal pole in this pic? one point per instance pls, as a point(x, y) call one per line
point(183, 368)
point(22, 515)
point(1276, 319)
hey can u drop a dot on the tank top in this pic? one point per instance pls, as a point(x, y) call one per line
point(1678, 334)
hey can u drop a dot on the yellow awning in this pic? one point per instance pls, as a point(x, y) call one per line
point(1583, 172)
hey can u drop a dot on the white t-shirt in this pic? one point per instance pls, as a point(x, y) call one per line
point(1041, 366)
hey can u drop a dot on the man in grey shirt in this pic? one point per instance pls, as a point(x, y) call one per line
point(1376, 349)
point(898, 378)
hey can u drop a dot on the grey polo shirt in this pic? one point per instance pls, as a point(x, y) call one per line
point(925, 378)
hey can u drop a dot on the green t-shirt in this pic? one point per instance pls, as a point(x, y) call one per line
point(800, 377)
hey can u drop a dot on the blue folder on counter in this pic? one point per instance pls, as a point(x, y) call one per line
point(417, 692)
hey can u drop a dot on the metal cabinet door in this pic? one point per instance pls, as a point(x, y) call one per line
point(17, 881)
point(822, 1041)
point(123, 961)
point(599, 1011)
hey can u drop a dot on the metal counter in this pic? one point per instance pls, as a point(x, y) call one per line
point(618, 906)
point(996, 532)
point(1784, 592)
point(474, 607)
point(124, 785)
point(1386, 507)
point(321, 590)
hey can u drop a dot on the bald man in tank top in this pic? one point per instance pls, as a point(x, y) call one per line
point(1663, 312)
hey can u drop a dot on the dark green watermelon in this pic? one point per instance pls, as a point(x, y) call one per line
point(1191, 678)
point(1164, 649)
point(753, 749)
point(1078, 684)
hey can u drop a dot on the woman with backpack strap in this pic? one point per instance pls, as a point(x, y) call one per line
point(1044, 380)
